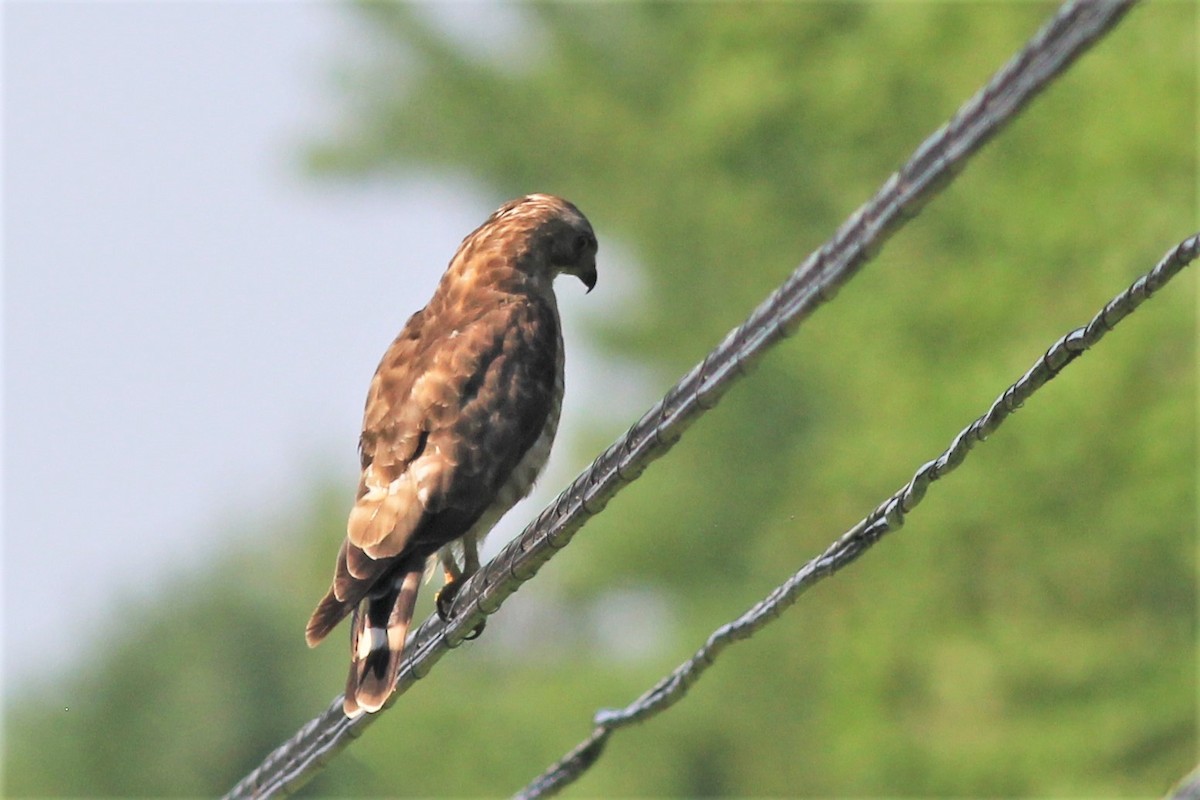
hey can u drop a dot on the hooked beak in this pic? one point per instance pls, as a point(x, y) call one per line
point(585, 270)
point(587, 275)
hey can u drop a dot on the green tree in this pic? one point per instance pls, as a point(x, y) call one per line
point(1031, 631)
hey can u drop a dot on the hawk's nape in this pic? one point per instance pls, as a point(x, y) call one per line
point(458, 424)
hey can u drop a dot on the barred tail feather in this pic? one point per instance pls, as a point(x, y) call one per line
point(330, 611)
point(380, 626)
point(347, 590)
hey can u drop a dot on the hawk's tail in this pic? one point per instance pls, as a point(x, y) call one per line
point(329, 613)
point(380, 626)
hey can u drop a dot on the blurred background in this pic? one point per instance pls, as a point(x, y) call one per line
point(218, 215)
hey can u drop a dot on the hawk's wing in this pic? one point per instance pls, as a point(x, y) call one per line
point(454, 406)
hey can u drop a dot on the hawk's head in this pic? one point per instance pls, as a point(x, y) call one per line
point(551, 235)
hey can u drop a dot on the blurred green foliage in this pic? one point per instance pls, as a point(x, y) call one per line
point(1033, 629)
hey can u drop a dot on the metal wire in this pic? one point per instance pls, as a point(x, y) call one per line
point(885, 519)
point(1188, 788)
point(1074, 27)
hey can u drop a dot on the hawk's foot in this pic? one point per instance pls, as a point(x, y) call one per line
point(444, 600)
point(476, 632)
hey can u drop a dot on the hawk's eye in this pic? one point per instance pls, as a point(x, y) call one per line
point(581, 243)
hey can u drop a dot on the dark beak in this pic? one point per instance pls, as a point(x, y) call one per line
point(588, 276)
point(585, 270)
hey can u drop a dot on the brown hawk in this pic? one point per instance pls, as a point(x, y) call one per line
point(459, 421)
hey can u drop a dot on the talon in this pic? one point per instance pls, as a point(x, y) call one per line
point(444, 599)
point(475, 633)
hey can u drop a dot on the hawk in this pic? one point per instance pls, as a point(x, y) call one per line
point(458, 424)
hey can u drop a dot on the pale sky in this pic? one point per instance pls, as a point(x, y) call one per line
point(190, 324)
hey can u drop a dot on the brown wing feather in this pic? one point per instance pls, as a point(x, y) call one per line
point(452, 410)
